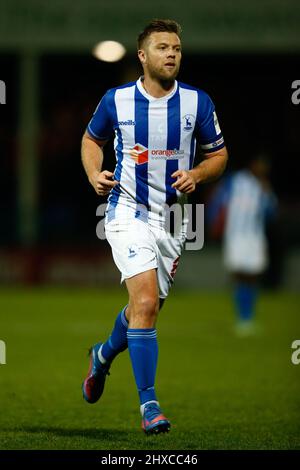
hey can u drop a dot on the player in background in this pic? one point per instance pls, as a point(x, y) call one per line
point(155, 122)
point(241, 207)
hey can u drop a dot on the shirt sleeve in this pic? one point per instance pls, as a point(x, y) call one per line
point(101, 126)
point(208, 132)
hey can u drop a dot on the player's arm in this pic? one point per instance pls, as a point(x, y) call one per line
point(210, 139)
point(92, 160)
point(95, 137)
point(208, 170)
point(211, 168)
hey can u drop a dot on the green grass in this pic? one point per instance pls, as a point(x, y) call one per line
point(219, 391)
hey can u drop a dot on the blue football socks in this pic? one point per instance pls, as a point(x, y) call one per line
point(143, 350)
point(117, 342)
point(245, 298)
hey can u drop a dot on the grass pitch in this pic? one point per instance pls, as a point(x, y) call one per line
point(218, 390)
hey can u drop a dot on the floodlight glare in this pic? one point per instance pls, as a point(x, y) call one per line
point(109, 51)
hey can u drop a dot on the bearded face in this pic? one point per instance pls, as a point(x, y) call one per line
point(161, 56)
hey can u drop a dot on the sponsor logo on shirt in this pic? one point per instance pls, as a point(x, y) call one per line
point(141, 154)
point(129, 122)
point(175, 154)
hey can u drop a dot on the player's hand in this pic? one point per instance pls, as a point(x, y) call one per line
point(102, 182)
point(185, 183)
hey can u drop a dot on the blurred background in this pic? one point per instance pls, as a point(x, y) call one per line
point(245, 55)
point(59, 288)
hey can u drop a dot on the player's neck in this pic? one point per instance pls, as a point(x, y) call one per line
point(157, 88)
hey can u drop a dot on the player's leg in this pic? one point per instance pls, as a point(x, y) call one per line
point(245, 296)
point(142, 313)
point(122, 237)
point(119, 235)
point(147, 293)
point(245, 258)
point(101, 357)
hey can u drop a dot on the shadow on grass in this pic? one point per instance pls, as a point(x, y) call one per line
point(91, 433)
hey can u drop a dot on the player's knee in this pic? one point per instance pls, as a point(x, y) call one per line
point(146, 306)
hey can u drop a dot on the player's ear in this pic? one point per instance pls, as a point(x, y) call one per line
point(142, 56)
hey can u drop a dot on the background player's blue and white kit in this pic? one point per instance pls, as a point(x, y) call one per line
point(248, 206)
point(154, 137)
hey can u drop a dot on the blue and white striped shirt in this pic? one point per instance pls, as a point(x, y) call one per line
point(162, 132)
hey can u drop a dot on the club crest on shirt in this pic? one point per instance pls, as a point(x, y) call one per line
point(188, 122)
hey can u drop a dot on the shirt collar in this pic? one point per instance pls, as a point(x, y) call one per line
point(153, 98)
